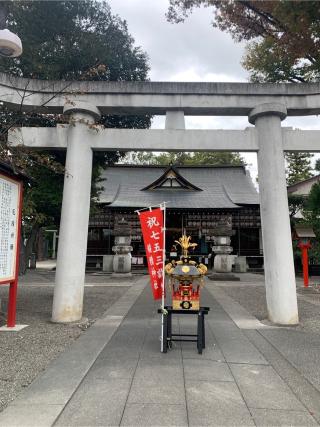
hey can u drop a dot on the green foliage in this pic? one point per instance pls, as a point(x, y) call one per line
point(311, 215)
point(179, 159)
point(284, 35)
point(313, 203)
point(317, 165)
point(266, 64)
point(217, 158)
point(185, 158)
point(298, 167)
point(42, 200)
point(66, 39)
point(288, 51)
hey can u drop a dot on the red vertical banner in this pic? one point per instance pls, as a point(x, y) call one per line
point(152, 231)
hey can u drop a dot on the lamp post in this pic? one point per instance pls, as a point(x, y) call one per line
point(10, 43)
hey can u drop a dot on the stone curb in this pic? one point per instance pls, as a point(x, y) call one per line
point(240, 316)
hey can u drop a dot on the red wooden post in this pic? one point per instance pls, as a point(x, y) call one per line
point(11, 320)
point(305, 264)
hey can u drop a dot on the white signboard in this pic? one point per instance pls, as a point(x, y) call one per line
point(9, 214)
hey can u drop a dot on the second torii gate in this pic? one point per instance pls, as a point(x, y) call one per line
point(265, 105)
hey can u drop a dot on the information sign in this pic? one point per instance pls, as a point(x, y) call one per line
point(10, 226)
point(10, 192)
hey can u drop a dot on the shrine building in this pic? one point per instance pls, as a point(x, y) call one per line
point(201, 200)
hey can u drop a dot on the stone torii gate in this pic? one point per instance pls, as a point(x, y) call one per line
point(265, 105)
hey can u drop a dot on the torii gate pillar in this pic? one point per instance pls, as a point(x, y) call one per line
point(71, 259)
point(277, 244)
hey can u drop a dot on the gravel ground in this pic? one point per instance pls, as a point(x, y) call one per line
point(25, 354)
point(253, 299)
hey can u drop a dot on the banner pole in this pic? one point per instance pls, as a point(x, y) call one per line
point(163, 275)
point(149, 207)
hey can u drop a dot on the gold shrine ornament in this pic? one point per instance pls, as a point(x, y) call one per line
point(185, 244)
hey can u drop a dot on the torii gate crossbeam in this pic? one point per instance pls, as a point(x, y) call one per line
point(102, 139)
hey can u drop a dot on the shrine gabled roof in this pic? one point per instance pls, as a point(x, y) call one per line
point(215, 187)
point(171, 179)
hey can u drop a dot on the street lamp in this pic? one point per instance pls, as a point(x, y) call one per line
point(10, 43)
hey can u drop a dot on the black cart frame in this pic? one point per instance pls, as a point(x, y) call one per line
point(168, 336)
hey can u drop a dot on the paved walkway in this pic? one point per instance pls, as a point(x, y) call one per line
point(115, 374)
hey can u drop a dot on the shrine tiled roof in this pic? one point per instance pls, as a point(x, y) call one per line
point(213, 187)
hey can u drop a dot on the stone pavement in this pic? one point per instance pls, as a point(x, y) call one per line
point(115, 374)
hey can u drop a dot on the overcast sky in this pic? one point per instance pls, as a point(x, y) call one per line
point(191, 51)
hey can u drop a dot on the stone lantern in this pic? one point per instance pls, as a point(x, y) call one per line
point(122, 248)
point(222, 249)
point(223, 259)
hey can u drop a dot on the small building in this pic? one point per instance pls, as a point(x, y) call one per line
point(303, 188)
point(301, 191)
point(200, 201)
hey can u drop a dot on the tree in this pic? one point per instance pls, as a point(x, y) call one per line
point(217, 158)
point(185, 158)
point(317, 165)
point(179, 159)
point(283, 46)
point(65, 40)
point(284, 34)
point(311, 214)
point(296, 204)
point(298, 167)
point(313, 203)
